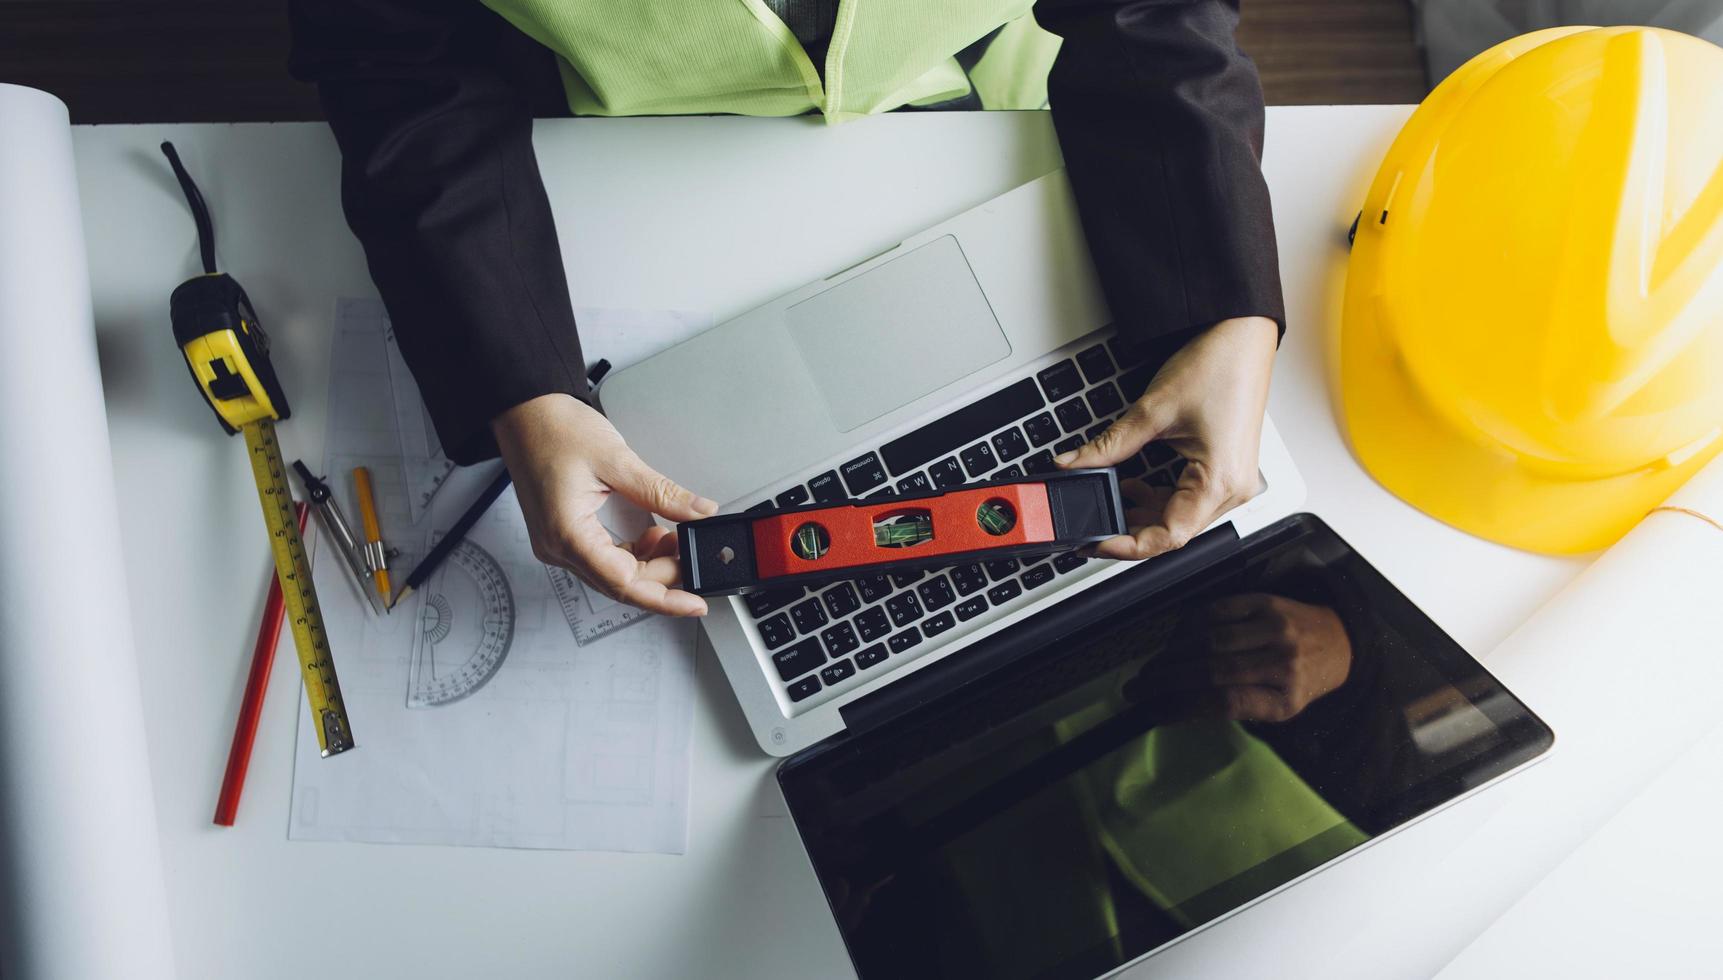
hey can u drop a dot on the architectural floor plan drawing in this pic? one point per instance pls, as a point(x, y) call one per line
point(502, 703)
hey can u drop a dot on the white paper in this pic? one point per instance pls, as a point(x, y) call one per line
point(1624, 664)
point(502, 704)
point(80, 862)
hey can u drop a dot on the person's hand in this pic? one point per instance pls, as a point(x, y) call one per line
point(1269, 656)
point(566, 459)
point(1206, 403)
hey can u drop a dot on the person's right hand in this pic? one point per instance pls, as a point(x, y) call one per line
point(566, 459)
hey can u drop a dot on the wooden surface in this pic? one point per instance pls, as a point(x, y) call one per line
point(127, 61)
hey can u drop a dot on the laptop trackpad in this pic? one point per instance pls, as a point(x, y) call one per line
point(896, 333)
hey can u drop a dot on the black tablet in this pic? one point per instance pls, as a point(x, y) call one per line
point(1156, 758)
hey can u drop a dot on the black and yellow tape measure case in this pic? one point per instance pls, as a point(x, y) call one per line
point(226, 350)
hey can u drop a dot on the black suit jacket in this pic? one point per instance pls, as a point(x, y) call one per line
point(1159, 117)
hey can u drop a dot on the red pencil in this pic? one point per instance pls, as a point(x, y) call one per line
point(251, 709)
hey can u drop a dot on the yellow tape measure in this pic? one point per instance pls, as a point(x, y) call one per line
point(228, 353)
point(322, 688)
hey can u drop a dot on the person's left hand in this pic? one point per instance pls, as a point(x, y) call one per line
point(1206, 403)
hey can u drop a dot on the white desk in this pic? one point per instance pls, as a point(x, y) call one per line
point(713, 214)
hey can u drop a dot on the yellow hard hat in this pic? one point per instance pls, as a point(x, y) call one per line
point(1532, 343)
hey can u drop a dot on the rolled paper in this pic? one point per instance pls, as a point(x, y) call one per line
point(80, 863)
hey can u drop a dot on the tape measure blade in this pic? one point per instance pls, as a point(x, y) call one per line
point(298, 592)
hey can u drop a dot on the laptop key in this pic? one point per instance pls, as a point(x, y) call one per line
point(797, 494)
point(882, 493)
point(1105, 401)
point(1159, 453)
point(833, 673)
point(1042, 429)
point(799, 659)
point(841, 600)
point(763, 505)
point(771, 600)
point(1038, 576)
point(938, 624)
point(1001, 567)
point(908, 578)
point(979, 460)
point(777, 631)
point(1010, 444)
point(863, 474)
point(904, 607)
point(1073, 415)
point(946, 473)
point(904, 639)
point(872, 655)
point(1041, 462)
point(1095, 363)
point(1135, 381)
point(968, 578)
point(961, 427)
point(839, 640)
point(936, 593)
point(1066, 445)
point(1131, 468)
point(805, 688)
point(1070, 561)
point(1093, 432)
point(970, 608)
point(808, 615)
point(826, 487)
point(1125, 353)
point(1060, 381)
point(914, 483)
point(872, 624)
point(873, 588)
point(1011, 472)
point(1004, 592)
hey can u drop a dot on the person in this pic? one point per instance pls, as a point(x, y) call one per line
point(1159, 117)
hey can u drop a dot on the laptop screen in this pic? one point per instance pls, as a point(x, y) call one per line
point(1178, 752)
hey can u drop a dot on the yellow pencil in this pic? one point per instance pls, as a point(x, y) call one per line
point(375, 554)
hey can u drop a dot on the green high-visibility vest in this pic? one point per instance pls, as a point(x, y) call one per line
point(678, 57)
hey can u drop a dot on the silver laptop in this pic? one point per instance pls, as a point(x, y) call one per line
point(977, 349)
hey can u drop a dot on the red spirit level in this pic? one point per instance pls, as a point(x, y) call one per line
point(808, 545)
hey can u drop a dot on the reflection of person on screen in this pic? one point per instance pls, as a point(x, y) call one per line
point(1251, 657)
point(1220, 746)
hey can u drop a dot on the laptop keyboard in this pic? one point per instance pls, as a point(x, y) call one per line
point(823, 641)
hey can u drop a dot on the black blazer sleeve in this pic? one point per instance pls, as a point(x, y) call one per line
point(431, 103)
point(1160, 119)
